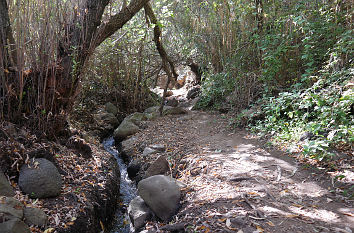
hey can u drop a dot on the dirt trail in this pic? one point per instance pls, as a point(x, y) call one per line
point(234, 185)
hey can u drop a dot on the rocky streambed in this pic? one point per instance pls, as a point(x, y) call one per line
point(157, 196)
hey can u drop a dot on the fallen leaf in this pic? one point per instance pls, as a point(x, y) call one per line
point(102, 225)
point(271, 224)
point(292, 215)
point(228, 223)
point(259, 229)
point(49, 230)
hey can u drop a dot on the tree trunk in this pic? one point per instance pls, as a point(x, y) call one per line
point(167, 63)
point(84, 34)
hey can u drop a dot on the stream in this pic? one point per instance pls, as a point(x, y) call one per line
point(127, 189)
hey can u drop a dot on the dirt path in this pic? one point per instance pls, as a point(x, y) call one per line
point(234, 185)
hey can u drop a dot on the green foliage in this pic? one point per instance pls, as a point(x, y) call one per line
point(215, 88)
point(325, 110)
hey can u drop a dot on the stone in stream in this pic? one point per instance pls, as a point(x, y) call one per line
point(138, 212)
point(40, 179)
point(5, 187)
point(125, 129)
point(162, 194)
point(105, 121)
point(133, 169)
point(159, 167)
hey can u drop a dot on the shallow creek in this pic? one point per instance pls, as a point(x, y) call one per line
point(127, 189)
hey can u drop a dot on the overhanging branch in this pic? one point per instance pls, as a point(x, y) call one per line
point(117, 21)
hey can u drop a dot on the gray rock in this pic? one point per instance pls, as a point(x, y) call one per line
point(40, 179)
point(138, 212)
point(161, 194)
point(11, 207)
point(174, 111)
point(105, 120)
point(158, 147)
point(14, 226)
point(152, 116)
point(153, 109)
point(111, 108)
point(35, 216)
point(148, 151)
point(5, 187)
point(125, 129)
point(159, 167)
point(133, 168)
point(137, 117)
point(128, 146)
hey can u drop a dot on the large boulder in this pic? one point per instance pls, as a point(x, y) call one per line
point(40, 179)
point(11, 208)
point(5, 187)
point(138, 212)
point(136, 117)
point(35, 216)
point(125, 129)
point(153, 109)
point(159, 167)
point(105, 121)
point(111, 108)
point(14, 226)
point(161, 194)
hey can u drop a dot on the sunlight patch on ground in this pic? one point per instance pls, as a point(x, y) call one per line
point(319, 214)
point(310, 189)
point(271, 211)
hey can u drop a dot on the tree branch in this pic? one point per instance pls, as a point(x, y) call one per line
point(117, 21)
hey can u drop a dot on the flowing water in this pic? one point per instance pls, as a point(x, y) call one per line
point(127, 189)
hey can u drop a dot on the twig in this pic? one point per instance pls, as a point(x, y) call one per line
point(279, 173)
point(293, 173)
point(258, 212)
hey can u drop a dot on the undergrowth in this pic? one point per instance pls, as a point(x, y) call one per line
point(321, 117)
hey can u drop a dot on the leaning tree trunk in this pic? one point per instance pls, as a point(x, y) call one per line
point(84, 34)
point(167, 63)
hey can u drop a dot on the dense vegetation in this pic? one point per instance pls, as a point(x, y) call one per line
point(288, 63)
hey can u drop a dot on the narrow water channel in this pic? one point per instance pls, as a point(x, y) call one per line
point(127, 189)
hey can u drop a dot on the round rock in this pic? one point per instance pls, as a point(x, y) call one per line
point(161, 194)
point(35, 216)
point(40, 179)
